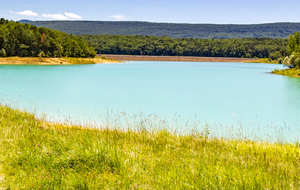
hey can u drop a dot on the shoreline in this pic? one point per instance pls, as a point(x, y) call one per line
point(53, 61)
point(177, 58)
point(109, 59)
point(293, 72)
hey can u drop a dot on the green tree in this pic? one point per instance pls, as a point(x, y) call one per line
point(2, 53)
point(293, 44)
point(18, 39)
point(275, 55)
point(293, 61)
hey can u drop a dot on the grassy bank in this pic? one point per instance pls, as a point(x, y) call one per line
point(294, 72)
point(39, 155)
point(52, 61)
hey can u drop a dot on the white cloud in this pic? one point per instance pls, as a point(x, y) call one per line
point(12, 12)
point(72, 15)
point(118, 17)
point(26, 13)
point(55, 16)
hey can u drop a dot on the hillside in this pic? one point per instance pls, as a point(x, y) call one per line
point(203, 31)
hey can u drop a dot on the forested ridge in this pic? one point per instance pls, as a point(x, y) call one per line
point(174, 30)
point(151, 45)
point(27, 40)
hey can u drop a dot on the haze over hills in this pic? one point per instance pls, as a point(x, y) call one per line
point(203, 31)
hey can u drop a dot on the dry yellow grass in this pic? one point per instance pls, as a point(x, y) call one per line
point(51, 61)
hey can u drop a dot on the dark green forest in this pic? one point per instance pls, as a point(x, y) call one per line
point(151, 45)
point(203, 31)
point(27, 40)
point(17, 39)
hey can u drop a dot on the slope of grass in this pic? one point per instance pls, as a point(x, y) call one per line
point(39, 155)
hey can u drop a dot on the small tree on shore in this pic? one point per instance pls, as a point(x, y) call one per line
point(42, 54)
point(293, 61)
point(2, 53)
point(294, 43)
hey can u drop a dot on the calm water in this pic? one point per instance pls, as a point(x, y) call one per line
point(224, 95)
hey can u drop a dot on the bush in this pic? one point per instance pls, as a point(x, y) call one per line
point(248, 55)
point(42, 54)
point(2, 53)
point(275, 55)
point(293, 61)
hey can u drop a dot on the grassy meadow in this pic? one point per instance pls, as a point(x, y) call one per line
point(36, 154)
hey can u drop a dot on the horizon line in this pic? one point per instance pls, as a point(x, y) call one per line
point(156, 22)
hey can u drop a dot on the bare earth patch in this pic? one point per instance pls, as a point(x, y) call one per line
point(178, 58)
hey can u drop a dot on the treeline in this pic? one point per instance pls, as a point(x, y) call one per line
point(26, 40)
point(151, 45)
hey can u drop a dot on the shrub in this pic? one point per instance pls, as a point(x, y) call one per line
point(280, 60)
point(293, 61)
point(275, 55)
point(42, 54)
point(2, 53)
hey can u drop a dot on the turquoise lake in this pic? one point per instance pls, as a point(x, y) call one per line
point(232, 98)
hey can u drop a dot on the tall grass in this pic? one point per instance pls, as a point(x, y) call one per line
point(36, 154)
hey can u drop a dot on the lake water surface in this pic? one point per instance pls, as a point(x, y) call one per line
point(241, 97)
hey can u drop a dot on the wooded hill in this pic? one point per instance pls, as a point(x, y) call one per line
point(27, 40)
point(203, 31)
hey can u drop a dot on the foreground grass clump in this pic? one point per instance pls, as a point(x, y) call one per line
point(40, 155)
point(295, 72)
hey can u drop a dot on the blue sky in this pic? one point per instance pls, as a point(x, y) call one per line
point(172, 11)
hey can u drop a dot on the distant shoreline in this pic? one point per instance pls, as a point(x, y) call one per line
point(178, 58)
point(52, 61)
